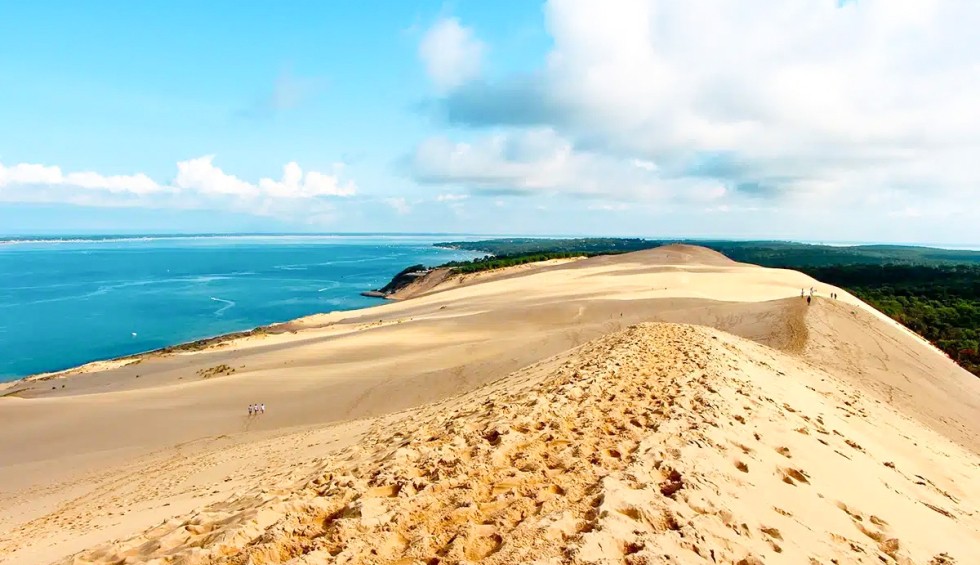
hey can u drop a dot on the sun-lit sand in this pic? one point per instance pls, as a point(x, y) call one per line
point(666, 406)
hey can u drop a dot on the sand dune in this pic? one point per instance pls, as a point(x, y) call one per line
point(659, 440)
point(785, 433)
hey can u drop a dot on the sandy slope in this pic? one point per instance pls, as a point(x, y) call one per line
point(105, 443)
point(662, 440)
point(442, 279)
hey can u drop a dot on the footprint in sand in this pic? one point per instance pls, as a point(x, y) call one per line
point(853, 445)
point(772, 535)
point(879, 534)
point(792, 476)
point(745, 449)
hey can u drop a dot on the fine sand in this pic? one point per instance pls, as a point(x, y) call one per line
point(563, 413)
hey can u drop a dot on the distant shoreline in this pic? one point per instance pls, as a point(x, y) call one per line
point(119, 238)
point(194, 345)
point(183, 347)
point(15, 239)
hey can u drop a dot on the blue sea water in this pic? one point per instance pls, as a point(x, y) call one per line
point(64, 302)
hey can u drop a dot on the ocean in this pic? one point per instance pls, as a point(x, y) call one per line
point(65, 302)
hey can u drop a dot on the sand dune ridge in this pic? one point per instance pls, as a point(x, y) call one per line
point(662, 443)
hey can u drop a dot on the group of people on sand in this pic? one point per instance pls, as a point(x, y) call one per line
point(812, 293)
point(809, 297)
point(255, 409)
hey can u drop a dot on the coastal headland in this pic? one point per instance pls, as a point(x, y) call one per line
point(668, 405)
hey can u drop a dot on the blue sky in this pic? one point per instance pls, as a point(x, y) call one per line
point(814, 120)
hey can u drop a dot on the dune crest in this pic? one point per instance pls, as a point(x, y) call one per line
point(662, 443)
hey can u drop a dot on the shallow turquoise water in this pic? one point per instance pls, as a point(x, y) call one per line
point(64, 303)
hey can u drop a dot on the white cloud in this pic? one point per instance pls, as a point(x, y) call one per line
point(202, 176)
point(645, 165)
point(868, 105)
point(618, 207)
point(451, 197)
point(34, 174)
point(451, 53)
point(399, 204)
point(295, 184)
point(538, 160)
point(199, 183)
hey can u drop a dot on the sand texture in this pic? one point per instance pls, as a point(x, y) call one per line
point(667, 406)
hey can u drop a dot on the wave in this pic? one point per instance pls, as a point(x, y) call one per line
point(69, 298)
point(108, 287)
point(24, 240)
point(363, 260)
point(227, 304)
point(205, 278)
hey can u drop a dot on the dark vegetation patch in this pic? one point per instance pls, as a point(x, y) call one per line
point(216, 371)
point(490, 262)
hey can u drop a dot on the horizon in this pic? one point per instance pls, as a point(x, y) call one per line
point(846, 121)
point(55, 237)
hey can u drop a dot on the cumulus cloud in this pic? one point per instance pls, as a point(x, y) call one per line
point(539, 161)
point(295, 184)
point(199, 183)
point(802, 102)
point(451, 53)
point(202, 175)
point(35, 174)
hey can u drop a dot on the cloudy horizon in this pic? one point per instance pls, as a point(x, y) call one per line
point(814, 120)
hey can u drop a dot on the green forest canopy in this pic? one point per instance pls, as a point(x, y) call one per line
point(766, 253)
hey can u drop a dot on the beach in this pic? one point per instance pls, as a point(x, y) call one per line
point(490, 418)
